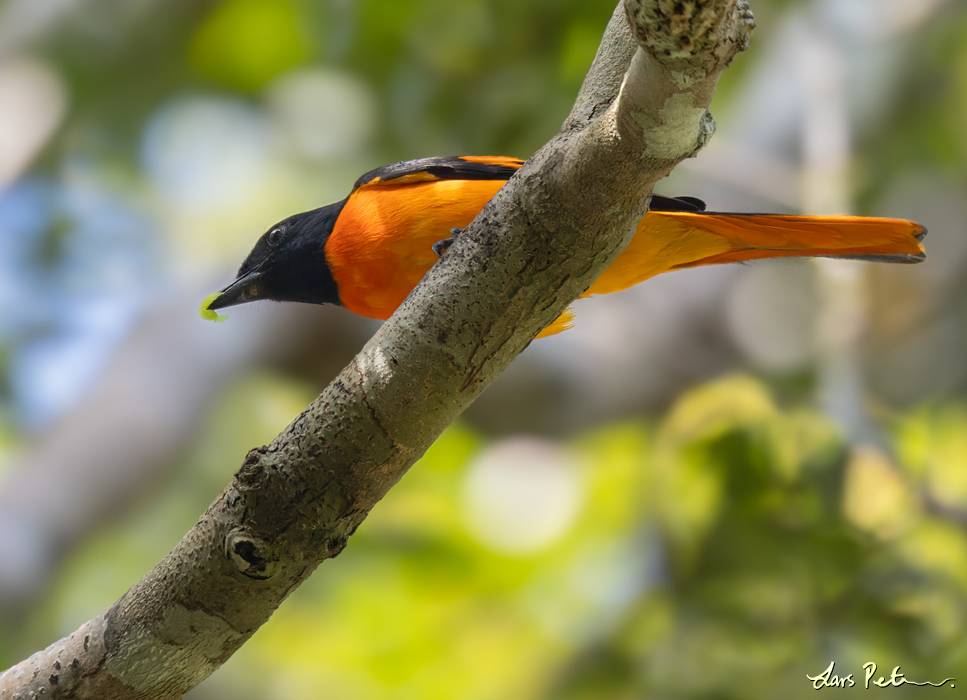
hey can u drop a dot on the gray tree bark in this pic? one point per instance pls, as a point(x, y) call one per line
point(534, 248)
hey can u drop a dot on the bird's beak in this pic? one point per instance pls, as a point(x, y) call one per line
point(246, 288)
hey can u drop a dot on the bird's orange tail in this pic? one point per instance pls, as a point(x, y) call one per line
point(753, 236)
point(671, 240)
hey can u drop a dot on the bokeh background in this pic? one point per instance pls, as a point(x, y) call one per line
point(715, 484)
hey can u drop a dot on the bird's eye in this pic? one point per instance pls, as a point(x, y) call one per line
point(275, 236)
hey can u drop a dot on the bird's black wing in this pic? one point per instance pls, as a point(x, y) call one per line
point(448, 168)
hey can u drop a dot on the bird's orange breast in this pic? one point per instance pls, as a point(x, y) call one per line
point(381, 244)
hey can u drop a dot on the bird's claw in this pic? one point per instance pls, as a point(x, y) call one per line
point(441, 247)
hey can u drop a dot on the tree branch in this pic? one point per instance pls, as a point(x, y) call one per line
point(534, 248)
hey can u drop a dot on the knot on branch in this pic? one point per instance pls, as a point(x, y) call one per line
point(706, 130)
point(251, 555)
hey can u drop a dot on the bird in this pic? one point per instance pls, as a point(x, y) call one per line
point(368, 251)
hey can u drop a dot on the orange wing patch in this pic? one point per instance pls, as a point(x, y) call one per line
point(504, 161)
point(421, 176)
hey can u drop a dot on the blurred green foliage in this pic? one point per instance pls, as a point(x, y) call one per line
point(245, 43)
point(726, 551)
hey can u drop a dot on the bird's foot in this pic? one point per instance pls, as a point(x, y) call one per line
point(441, 247)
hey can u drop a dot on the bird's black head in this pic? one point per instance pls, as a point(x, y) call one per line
point(288, 263)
